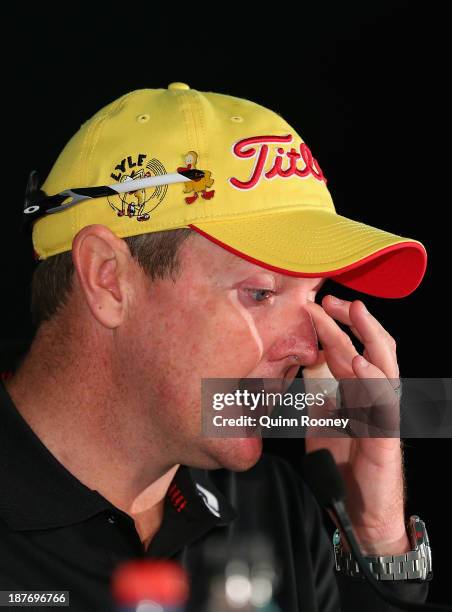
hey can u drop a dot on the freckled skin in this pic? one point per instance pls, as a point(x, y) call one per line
point(112, 384)
point(189, 330)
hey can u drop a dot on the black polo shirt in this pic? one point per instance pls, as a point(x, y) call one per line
point(57, 534)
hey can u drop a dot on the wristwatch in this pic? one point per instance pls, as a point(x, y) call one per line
point(415, 564)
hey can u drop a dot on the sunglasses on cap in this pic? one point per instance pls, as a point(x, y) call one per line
point(38, 203)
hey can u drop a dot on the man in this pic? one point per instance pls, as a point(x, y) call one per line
point(103, 457)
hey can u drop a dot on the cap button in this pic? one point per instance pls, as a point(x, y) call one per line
point(178, 86)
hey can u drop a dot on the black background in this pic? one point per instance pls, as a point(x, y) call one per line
point(363, 83)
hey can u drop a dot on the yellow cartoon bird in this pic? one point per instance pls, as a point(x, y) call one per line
point(199, 185)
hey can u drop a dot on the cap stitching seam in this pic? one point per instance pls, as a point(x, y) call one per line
point(190, 122)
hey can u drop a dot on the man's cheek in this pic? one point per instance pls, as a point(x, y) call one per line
point(247, 330)
point(212, 338)
point(221, 347)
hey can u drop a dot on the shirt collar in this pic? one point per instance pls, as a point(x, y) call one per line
point(38, 492)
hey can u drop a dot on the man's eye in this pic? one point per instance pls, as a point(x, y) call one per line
point(260, 295)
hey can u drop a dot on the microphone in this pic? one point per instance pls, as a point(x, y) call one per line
point(321, 474)
point(149, 585)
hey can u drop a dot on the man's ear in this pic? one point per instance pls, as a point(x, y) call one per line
point(101, 260)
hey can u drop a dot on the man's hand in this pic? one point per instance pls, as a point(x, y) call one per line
point(372, 468)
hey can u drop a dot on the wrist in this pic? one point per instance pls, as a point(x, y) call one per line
point(415, 563)
point(380, 546)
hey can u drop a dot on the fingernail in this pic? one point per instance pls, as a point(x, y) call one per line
point(365, 309)
point(335, 300)
point(362, 363)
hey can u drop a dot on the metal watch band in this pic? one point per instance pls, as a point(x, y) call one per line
point(415, 564)
point(389, 567)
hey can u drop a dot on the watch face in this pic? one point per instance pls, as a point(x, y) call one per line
point(418, 532)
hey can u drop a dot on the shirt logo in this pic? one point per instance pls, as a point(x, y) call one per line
point(209, 499)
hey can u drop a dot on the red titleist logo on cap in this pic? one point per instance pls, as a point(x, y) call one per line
point(257, 148)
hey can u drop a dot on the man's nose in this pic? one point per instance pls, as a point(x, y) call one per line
point(299, 339)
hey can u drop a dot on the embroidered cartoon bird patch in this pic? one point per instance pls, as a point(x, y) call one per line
point(198, 186)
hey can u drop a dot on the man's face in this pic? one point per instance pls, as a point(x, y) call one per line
point(223, 317)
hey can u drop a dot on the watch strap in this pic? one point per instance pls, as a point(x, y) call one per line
point(415, 564)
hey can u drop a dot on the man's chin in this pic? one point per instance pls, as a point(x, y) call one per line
point(237, 454)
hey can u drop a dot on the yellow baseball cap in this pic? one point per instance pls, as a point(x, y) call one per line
point(230, 169)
